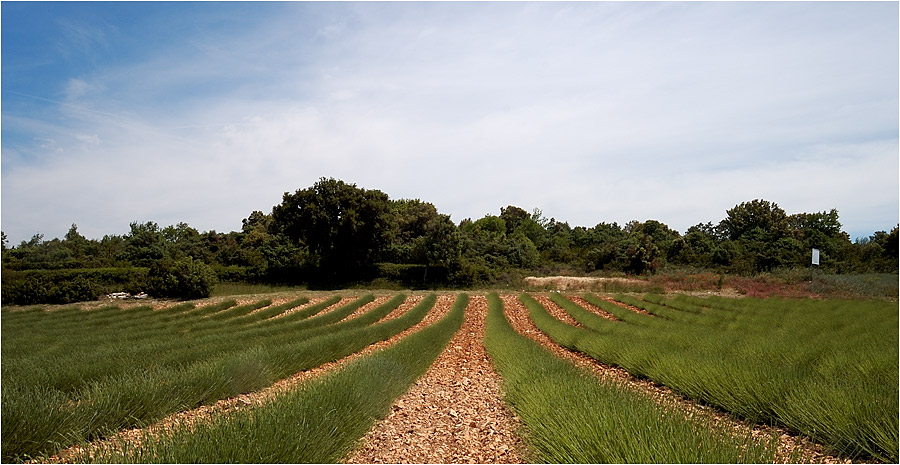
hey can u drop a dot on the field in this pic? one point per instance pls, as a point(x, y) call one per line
point(361, 377)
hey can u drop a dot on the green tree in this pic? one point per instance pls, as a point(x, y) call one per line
point(111, 250)
point(762, 214)
point(513, 216)
point(877, 253)
point(256, 221)
point(484, 241)
point(701, 246)
point(420, 235)
point(345, 228)
point(185, 241)
point(37, 253)
point(603, 247)
point(521, 251)
point(558, 246)
point(642, 254)
point(145, 244)
point(821, 231)
point(762, 237)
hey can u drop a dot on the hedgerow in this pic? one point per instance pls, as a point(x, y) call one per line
point(68, 286)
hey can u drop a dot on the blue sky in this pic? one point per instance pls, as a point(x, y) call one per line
point(590, 111)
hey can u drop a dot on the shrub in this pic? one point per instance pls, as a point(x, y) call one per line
point(185, 278)
point(68, 286)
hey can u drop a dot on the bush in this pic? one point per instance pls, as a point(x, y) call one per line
point(185, 278)
point(413, 275)
point(68, 286)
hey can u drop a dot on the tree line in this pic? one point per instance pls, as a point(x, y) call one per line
point(335, 233)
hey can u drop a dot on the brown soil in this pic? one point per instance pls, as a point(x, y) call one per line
point(591, 308)
point(453, 414)
point(621, 304)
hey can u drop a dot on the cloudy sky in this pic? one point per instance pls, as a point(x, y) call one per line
point(591, 112)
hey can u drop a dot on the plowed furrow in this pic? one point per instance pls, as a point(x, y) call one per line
point(132, 437)
point(453, 414)
point(518, 316)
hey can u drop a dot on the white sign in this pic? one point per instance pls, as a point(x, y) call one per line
point(815, 257)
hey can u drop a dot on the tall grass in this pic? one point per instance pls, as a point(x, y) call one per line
point(226, 288)
point(573, 417)
point(317, 423)
point(209, 370)
point(826, 369)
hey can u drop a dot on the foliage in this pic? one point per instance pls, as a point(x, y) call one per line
point(69, 285)
point(571, 416)
point(318, 422)
point(106, 369)
point(335, 234)
point(827, 369)
point(344, 227)
point(184, 279)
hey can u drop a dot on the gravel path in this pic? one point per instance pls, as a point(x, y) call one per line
point(453, 414)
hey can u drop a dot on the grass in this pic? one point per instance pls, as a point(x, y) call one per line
point(318, 423)
point(570, 416)
point(823, 368)
point(228, 288)
point(230, 360)
point(868, 286)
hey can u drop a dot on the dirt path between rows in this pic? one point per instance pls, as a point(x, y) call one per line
point(453, 414)
point(518, 316)
point(133, 436)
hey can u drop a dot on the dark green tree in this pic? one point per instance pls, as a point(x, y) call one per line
point(701, 246)
point(185, 241)
point(145, 244)
point(345, 228)
point(513, 216)
point(79, 246)
point(558, 247)
point(420, 235)
point(762, 214)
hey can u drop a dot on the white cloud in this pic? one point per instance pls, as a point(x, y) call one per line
point(76, 88)
point(592, 112)
point(90, 139)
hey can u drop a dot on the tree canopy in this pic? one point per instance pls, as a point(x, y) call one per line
point(335, 233)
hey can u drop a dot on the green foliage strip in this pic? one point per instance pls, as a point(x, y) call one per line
point(38, 419)
point(570, 416)
point(827, 369)
point(319, 422)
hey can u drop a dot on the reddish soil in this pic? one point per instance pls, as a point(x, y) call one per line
point(453, 414)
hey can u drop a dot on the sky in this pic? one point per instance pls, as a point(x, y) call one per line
point(590, 111)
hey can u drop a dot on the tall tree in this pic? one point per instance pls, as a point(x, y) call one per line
point(421, 235)
point(344, 227)
point(762, 214)
point(145, 244)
